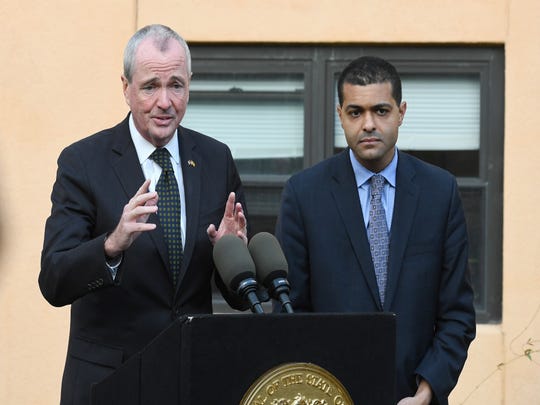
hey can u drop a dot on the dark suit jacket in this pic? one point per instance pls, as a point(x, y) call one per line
point(322, 232)
point(112, 320)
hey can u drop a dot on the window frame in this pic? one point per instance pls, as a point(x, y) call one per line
point(319, 63)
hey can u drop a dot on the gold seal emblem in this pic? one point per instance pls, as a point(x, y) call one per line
point(297, 384)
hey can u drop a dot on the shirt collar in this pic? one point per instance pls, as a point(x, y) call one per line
point(362, 175)
point(145, 149)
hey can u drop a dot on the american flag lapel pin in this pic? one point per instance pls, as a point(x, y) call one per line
point(191, 163)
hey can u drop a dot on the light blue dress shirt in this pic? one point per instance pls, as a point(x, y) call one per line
point(363, 176)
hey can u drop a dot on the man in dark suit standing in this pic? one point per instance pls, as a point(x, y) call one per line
point(374, 229)
point(129, 257)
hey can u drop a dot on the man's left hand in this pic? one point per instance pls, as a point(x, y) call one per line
point(233, 222)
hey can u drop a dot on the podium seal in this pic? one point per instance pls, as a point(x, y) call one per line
point(297, 384)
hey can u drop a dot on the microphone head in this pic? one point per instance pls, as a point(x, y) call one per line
point(269, 259)
point(233, 261)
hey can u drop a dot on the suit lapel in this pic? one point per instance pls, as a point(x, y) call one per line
point(191, 172)
point(402, 219)
point(345, 194)
point(125, 164)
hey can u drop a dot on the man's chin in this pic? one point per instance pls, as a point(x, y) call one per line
point(162, 135)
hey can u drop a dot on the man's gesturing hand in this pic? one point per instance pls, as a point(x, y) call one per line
point(133, 221)
point(233, 222)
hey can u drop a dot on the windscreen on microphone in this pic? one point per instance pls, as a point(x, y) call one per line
point(271, 267)
point(233, 261)
point(269, 259)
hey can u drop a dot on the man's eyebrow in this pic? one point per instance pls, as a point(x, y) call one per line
point(149, 81)
point(373, 107)
point(177, 79)
point(353, 107)
point(383, 104)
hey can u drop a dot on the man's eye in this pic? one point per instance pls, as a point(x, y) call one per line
point(148, 88)
point(354, 114)
point(382, 111)
point(177, 86)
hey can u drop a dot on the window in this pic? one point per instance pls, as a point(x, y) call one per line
point(275, 106)
point(258, 116)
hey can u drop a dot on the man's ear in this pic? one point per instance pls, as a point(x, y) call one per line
point(125, 85)
point(402, 110)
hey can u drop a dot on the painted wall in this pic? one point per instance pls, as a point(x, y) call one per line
point(61, 66)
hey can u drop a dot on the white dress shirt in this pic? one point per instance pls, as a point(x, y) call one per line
point(152, 170)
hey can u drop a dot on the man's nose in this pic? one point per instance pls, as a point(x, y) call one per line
point(369, 122)
point(164, 100)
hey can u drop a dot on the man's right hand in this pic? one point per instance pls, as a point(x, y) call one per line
point(423, 395)
point(133, 221)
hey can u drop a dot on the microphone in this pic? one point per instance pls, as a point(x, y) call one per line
point(272, 267)
point(237, 270)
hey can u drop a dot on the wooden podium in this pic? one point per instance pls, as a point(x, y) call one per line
point(215, 359)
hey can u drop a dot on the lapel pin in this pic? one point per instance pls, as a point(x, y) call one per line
point(191, 163)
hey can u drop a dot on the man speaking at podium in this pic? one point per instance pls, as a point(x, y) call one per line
point(128, 242)
point(374, 229)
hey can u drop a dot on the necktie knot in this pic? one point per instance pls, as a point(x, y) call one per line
point(162, 157)
point(377, 185)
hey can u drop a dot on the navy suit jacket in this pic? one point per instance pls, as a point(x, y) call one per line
point(322, 233)
point(113, 319)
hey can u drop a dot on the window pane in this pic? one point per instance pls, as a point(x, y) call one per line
point(473, 199)
point(461, 163)
point(263, 207)
point(443, 113)
point(261, 118)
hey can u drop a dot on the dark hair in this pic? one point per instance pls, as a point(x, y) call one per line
point(370, 70)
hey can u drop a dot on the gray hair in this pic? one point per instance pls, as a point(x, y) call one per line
point(161, 35)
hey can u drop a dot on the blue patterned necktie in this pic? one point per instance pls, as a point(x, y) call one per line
point(169, 210)
point(378, 233)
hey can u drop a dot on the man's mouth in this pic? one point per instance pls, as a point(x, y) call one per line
point(370, 140)
point(162, 120)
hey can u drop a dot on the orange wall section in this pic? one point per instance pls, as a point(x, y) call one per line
point(335, 21)
point(60, 70)
point(521, 253)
